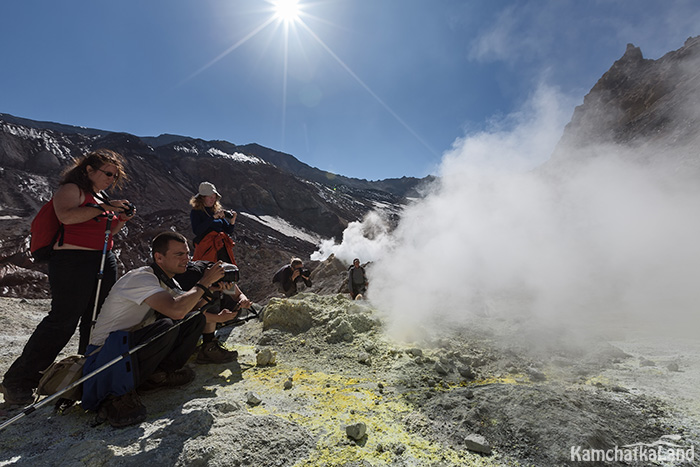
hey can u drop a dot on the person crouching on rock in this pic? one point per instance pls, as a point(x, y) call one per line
point(146, 302)
point(287, 276)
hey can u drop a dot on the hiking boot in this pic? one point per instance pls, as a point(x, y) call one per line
point(161, 379)
point(121, 411)
point(15, 395)
point(215, 352)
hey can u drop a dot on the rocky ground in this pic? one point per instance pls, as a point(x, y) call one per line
point(319, 383)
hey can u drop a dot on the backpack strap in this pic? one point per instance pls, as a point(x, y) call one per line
point(60, 234)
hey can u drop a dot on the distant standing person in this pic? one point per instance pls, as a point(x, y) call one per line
point(357, 279)
point(212, 226)
point(82, 207)
point(287, 276)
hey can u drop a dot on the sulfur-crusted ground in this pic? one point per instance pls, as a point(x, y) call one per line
point(419, 401)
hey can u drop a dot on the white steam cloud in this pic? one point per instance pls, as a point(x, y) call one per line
point(599, 240)
point(366, 240)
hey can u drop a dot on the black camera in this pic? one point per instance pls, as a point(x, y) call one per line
point(231, 273)
point(229, 214)
point(128, 209)
point(304, 272)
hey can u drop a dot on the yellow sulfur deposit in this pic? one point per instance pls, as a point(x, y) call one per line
point(331, 402)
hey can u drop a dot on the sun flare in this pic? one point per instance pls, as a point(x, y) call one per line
point(287, 10)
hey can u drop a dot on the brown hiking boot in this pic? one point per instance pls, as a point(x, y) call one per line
point(215, 352)
point(15, 395)
point(121, 411)
point(162, 380)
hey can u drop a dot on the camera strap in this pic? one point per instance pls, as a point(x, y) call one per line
point(163, 277)
point(102, 198)
point(212, 300)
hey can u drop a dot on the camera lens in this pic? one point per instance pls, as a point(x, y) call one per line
point(129, 209)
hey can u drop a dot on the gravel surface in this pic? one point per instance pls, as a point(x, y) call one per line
point(486, 395)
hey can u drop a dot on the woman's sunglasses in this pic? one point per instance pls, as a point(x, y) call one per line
point(109, 174)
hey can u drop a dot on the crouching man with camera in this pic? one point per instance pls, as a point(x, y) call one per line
point(287, 276)
point(147, 305)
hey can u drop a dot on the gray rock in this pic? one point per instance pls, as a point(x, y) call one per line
point(356, 431)
point(266, 357)
point(339, 330)
point(364, 358)
point(399, 448)
point(415, 352)
point(252, 399)
point(477, 443)
point(442, 369)
point(536, 375)
point(466, 372)
point(362, 323)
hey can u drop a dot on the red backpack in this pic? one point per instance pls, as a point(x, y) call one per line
point(45, 230)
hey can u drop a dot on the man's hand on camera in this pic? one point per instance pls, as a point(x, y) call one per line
point(212, 274)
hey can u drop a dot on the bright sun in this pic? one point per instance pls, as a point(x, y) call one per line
point(287, 10)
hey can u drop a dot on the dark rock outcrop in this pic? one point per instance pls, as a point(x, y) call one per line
point(640, 102)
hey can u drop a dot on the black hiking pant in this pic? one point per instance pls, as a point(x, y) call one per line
point(73, 281)
point(169, 352)
point(357, 289)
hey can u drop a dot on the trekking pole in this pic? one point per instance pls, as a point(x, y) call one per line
point(31, 408)
point(100, 273)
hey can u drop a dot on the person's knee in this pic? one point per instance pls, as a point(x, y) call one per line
point(163, 324)
point(199, 323)
point(55, 328)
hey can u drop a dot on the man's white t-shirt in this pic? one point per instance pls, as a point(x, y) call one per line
point(124, 307)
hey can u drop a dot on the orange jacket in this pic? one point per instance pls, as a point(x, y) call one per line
point(209, 247)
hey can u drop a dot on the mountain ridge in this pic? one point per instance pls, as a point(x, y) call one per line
point(162, 180)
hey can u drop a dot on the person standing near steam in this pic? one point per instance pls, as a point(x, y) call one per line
point(212, 226)
point(357, 280)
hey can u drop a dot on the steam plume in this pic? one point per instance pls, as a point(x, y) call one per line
point(592, 238)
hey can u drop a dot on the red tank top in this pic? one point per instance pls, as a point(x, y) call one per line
point(88, 234)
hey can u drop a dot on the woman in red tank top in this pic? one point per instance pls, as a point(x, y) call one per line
point(82, 208)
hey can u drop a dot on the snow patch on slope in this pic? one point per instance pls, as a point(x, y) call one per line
point(285, 228)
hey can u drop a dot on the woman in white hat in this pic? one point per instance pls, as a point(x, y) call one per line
point(212, 226)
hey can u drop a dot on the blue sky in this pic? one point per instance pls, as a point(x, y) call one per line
point(364, 88)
